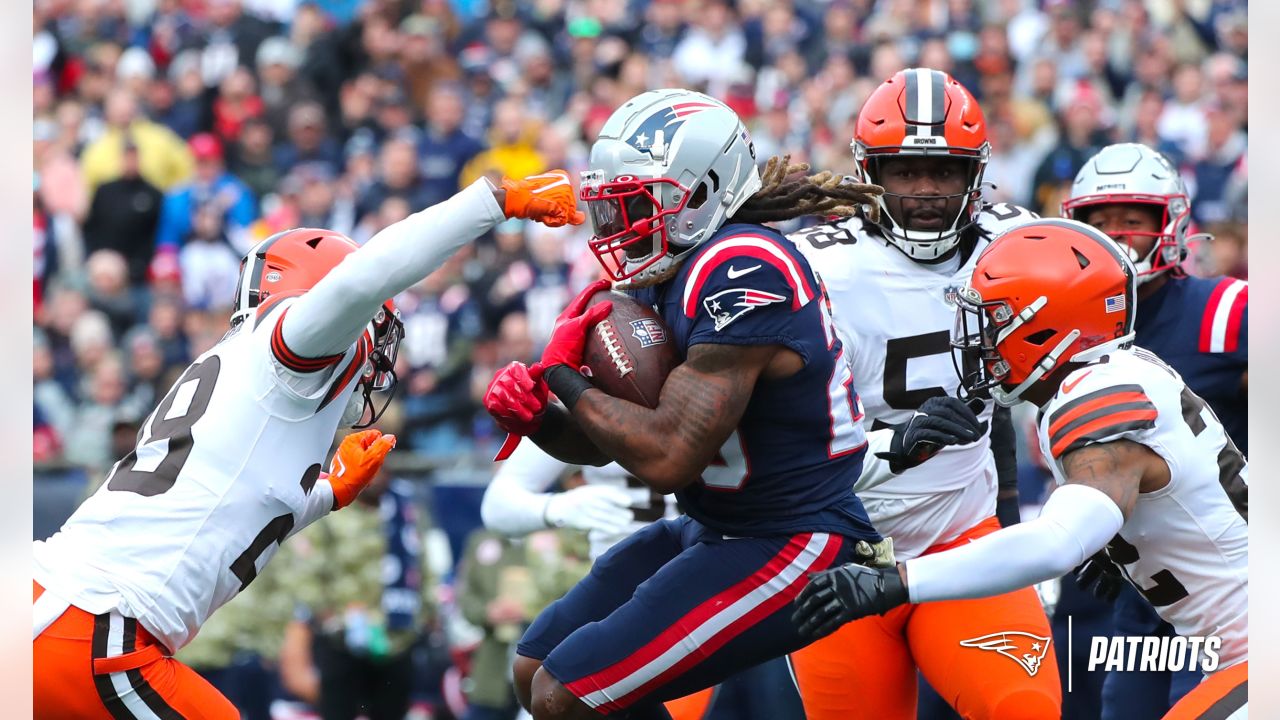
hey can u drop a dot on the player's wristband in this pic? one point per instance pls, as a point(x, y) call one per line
point(567, 383)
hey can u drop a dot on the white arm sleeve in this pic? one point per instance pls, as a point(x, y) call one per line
point(875, 471)
point(515, 502)
point(319, 504)
point(1076, 522)
point(330, 316)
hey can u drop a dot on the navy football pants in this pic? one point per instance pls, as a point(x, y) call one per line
point(676, 608)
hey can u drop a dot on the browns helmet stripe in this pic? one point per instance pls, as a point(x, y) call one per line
point(925, 101)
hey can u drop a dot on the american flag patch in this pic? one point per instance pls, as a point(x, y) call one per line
point(1115, 304)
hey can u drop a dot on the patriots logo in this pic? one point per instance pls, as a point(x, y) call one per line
point(648, 331)
point(728, 305)
point(1023, 648)
point(657, 130)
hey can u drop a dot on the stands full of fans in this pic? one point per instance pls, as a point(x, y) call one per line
point(170, 135)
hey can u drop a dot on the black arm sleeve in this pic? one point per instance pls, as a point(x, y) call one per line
point(1004, 443)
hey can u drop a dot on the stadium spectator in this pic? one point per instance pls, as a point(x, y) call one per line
point(213, 189)
point(307, 139)
point(123, 217)
point(163, 158)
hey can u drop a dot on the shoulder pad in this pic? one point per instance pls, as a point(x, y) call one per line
point(844, 232)
point(1001, 217)
point(763, 265)
point(1223, 316)
point(1093, 404)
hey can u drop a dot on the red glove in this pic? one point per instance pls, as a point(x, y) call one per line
point(357, 461)
point(517, 398)
point(548, 198)
point(569, 337)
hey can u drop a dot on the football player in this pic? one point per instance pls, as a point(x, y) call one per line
point(757, 432)
point(1200, 326)
point(611, 505)
point(1144, 467)
point(922, 136)
point(229, 464)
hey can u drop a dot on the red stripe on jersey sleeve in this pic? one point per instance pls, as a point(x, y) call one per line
point(1211, 310)
point(1232, 342)
point(744, 247)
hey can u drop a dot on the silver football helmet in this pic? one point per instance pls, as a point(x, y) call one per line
point(1129, 173)
point(669, 168)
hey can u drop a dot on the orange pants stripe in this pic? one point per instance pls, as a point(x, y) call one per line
point(1218, 696)
point(108, 667)
point(868, 668)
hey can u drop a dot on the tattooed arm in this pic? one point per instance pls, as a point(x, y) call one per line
point(1102, 484)
point(562, 438)
point(669, 446)
point(1119, 469)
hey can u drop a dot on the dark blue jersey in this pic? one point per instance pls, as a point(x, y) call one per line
point(791, 463)
point(1200, 326)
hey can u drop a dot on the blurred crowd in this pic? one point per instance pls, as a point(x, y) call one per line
point(170, 135)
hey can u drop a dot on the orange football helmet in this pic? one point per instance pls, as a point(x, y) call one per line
point(1043, 294)
point(290, 263)
point(920, 111)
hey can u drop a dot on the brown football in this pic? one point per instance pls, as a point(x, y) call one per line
point(630, 353)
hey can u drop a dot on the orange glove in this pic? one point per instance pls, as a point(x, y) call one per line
point(357, 461)
point(547, 198)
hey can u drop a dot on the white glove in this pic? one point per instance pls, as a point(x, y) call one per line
point(590, 507)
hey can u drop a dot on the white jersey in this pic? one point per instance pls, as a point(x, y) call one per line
point(895, 319)
point(228, 464)
point(516, 498)
point(1185, 546)
point(225, 468)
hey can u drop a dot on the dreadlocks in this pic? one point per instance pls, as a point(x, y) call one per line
point(823, 194)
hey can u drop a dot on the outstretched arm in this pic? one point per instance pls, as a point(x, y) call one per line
point(330, 316)
point(1078, 520)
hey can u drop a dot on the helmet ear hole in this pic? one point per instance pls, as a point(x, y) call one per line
point(1041, 337)
point(699, 196)
point(1080, 258)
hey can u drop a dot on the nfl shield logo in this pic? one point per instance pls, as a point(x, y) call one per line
point(648, 332)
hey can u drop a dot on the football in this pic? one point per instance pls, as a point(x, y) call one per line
point(630, 353)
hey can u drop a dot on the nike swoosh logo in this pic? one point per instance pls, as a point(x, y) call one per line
point(1068, 387)
point(735, 273)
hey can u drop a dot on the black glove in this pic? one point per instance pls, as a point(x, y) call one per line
point(844, 594)
point(1100, 576)
point(940, 421)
